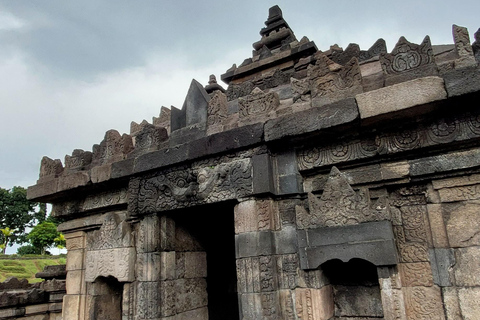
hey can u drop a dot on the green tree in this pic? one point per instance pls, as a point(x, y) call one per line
point(18, 213)
point(43, 236)
point(6, 234)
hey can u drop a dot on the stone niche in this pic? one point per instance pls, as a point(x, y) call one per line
point(321, 184)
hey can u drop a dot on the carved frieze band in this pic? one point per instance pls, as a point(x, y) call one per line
point(93, 202)
point(439, 132)
point(188, 187)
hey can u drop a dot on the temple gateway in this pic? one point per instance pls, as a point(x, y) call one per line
point(338, 184)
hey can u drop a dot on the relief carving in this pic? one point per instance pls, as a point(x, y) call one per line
point(423, 303)
point(407, 56)
point(440, 131)
point(217, 111)
point(110, 251)
point(50, 168)
point(257, 103)
point(339, 205)
point(79, 160)
point(114, 147)
point(189, 187)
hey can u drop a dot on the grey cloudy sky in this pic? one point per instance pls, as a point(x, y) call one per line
point(71, 70)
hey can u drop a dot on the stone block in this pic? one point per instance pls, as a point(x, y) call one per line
point(437, 226)
point(195, 264)
point(466, 267)
point(423, 303)
point(197, 314)
point(442, 260)
point(248, 274)
point(153, 300)
point(469, 298)
point(123, 168)
point(73, 180)
point(253, 244)
point(148, 266)
point(75, 260)
point(445, 162)
point(262, 174)
point(119, 263)
point(456, 181)
point(71, 307)
point(161, 158)
point(416, 274)
point(288, 178)
point(286, 240)
point(315, 304)
point(312, 120)
point(11, 312)
point(75, 283)
point(396, 170)
point(450, 302)
point(37, 308)
point(462, 81)
point(101, 173)
point(462, 222)
point(42, 189)
point(235, 138)
point(190, 294)
point(40, 317)
point(460, 193)
point(400, 96)
point(167, 265)
point(357, 301)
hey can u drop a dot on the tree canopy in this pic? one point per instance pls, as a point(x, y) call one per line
point(17, 213)
point(45, 235)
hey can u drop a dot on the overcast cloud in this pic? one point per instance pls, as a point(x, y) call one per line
point(71, 70)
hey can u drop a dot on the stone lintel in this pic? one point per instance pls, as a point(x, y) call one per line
point(213, 144)
point(445, 162)
point(401, 96)
point(264, 243)
point(315, 119)
point(371, 241)
point(255, 67)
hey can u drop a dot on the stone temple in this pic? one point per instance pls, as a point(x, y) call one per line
point(342, 184)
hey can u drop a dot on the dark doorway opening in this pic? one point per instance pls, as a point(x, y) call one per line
point(106, 296)
point(356, 290)
point(214, 229)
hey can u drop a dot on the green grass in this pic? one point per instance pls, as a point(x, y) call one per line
point(26, 268)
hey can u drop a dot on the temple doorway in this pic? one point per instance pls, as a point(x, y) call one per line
point(105, 295)
point(212, 229)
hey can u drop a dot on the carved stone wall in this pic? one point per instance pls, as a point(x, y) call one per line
point(321, 155)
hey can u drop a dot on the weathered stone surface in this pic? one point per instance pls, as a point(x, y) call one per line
point(442, 261)
point(423, 303)
point(451, 303)
point(79, 160)
point(467, 260)
point(469, 305)
point(401, 96)
point(194, 109)
point(339, 205)
point(118, 263)
point(437, 226)
point(114, 147)
point(315, 304)
point(445, 162)
point(316, 119)
point(462, 47)
point(257, 106)
point(462, 81)
point(357, 301)
point(416, 274)
point(462, 222)
point(256, 215)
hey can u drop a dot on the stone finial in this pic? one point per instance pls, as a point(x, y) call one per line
point(276, 33)
point(194, 109)
point(79, 160)
point(163, 119)
point(114, 147)
point(464, 50)
point(137, 127)
point(50, 168)
point(213, 85)
point(408, 61)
